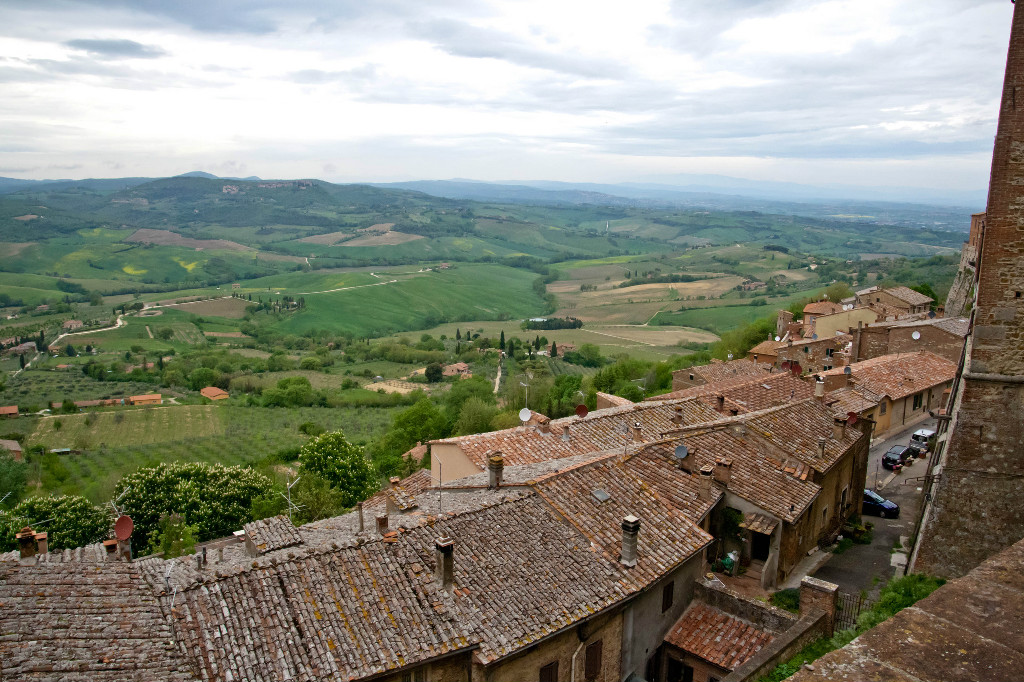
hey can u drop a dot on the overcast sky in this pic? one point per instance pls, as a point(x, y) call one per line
point(863, 92)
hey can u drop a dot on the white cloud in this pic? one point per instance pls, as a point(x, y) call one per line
point(828, 91)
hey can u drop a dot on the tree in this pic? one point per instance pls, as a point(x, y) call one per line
point(501, 343)
point(554, 350)
point(458, 334)
point(21, 360)
point(316, 499)
point(69, 351)
point(475, 417)
point(70, 521)
point(926, 289)
point(201, 377)
point(341, 464)
point(173, 537)
point(216, 499)
point(13, 475)
point(434, 373)
point(837, 291)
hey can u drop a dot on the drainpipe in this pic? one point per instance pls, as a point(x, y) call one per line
point(572, 666)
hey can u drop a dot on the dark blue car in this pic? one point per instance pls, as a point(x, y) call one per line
point(879, 506)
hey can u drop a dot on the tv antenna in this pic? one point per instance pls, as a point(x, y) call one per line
point(113, 503)
point(292, 507)
point(527, 386)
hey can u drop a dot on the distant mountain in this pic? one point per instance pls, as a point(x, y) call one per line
point(486, 191)
point(211, 176)
point(9, 185)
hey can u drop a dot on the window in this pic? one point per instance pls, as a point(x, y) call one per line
point(882, 406)
point(843, 498)
point(807, 349)
point(592, 661)
point(918, 400)
point(668, 594)
point(691, 376)
point(549, 673)
point(829, 352)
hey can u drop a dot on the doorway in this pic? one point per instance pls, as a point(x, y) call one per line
point(760, 546)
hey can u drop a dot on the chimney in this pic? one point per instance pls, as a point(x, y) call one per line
point(27, 547)
point(677, 418)
point(721, 403)
point(42, 545)
point(382, 524)
point(444, 555)
point(819, 388)
point(821, 446)
point(544, 425)
point(838, 429)
point(124, 548)
point(394, 481)
point(723, 470)
point(111, 548)
point(362, 525)
point(565, 434)
point(495, 470)
point(707, 472)
point(637, 431)
point(630, 533)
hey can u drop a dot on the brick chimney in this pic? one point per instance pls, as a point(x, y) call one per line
point(637, 431)
point(27, 547)
point(565, 434)
point(544, 424)
point(495, 470)
point(838, 428)
point(444, 568)
point(821, 446)
point(110, 546)
point(721, 402)
point(707, 473)
point(394, 481)
point(362, 524)
point(819, 388)
point(723, 470)
point(677, 418)
point(382, 524)
point(630, 533)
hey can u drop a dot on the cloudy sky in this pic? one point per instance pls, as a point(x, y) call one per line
point(865, 92)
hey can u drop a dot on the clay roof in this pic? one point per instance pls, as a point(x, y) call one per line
point(796, 430)
point(766, 347)
point(968, 629)
point(908, 295)
point(9, 409)
point(212, 392)
point(717, 371)
point(276, 532)
point(748, 394)
point(148, 396)
point(954, 325)
point(10, 445)
point(849, 399)
point(822, 308)
point(78, 623)
point(900, 374)
point(599, 430)
point(615, 400)
point(717, 637)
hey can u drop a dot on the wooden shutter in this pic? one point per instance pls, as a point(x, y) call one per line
point(549, 673)
point(592, 661)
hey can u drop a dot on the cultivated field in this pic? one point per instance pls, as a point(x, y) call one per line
point(168, 238)
point(229, 307)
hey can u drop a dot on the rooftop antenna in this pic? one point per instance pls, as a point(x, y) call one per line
point(113, 503)
point(527, 385)
point(4, 497)
point(291, 507)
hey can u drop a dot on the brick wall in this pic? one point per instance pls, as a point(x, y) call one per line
point(976, 509)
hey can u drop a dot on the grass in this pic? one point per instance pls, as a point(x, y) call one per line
point(40, 387)
point(228, 435)
point(722, 318)
point(895, 596)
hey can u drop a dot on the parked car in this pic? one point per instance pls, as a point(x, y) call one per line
point(879, 506)
point(921, 441)
point(898, 454)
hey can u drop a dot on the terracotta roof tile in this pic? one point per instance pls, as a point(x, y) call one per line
point(270, 534)
point(748, 394)
point(717, 371)
point(717, 637)
point(901, 374)
point(908, 295)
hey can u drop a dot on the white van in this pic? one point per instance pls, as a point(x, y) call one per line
point(922, 441)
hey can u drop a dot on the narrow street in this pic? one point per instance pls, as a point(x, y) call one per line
point(868, 567)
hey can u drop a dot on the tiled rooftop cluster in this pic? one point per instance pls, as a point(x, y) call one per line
point(899, 375)
point(719, 371)
point(746, 393)
point(267, 535)
point(717, 637)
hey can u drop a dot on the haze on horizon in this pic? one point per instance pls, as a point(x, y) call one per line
point(878, 92)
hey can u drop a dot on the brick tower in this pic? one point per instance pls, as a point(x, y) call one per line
point(977, 496)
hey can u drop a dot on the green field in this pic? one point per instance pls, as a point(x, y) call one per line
point(208, 433)
point(722, 318)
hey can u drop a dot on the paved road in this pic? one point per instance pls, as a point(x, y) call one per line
point(868, 567)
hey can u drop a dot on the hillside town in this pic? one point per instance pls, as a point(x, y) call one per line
point(708, 533)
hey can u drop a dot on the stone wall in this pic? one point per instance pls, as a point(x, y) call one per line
point(976, 506)
point(961, 294)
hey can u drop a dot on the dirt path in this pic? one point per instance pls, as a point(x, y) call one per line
point(149, 331)
point(331, 291)
point(120, 323)
point(497, 380)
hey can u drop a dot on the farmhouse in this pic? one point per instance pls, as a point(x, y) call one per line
point(214, 393)
point(71, 325)
point(10, 411)
point(12, 446)
point(104, 402)
point(148, 399)
point(902, 299)
point(458, 369)
point(21, 348)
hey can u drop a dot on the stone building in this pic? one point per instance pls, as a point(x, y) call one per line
point(908, 385)
point(904, 300)
point(814, 354)
point(961, 293)
point(742, 394)
point(977, 472)
point(943, 336)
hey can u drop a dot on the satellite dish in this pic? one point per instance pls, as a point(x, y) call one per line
point(123, 527)
point(681, 452)
point(916, 335)
point(851, 418)
point(581, 411)
point(796, 369)
point(525, 414)
point(785, 365)
point(847, 371)
point(814, 336)
point(777, 338)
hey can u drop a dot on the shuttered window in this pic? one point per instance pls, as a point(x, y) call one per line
point(667, 596)
point(549, 673)
point(592, 661)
